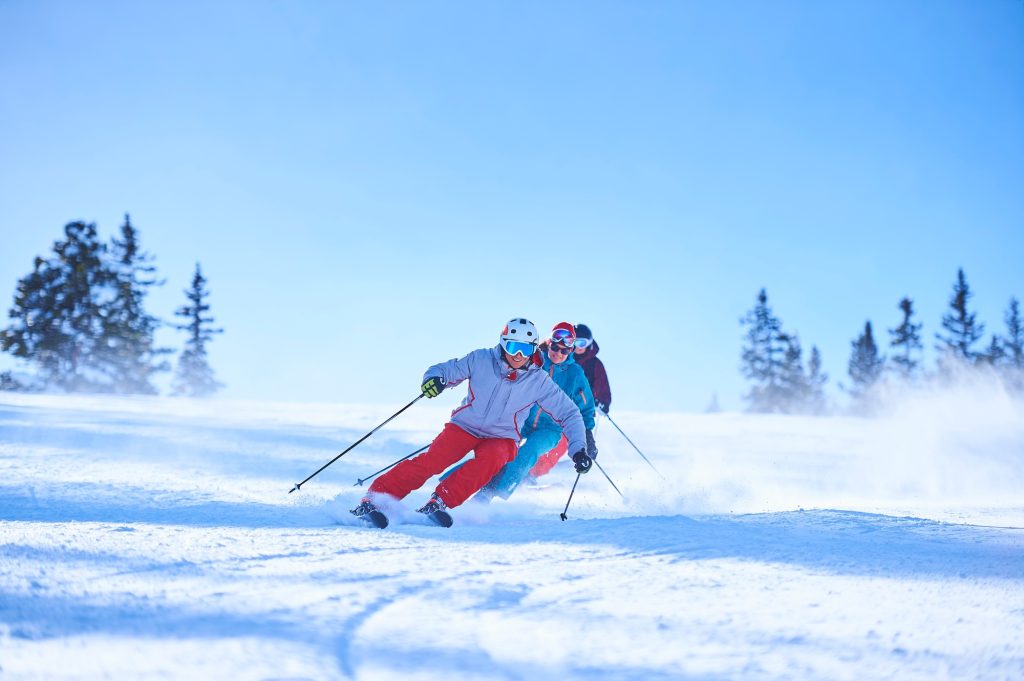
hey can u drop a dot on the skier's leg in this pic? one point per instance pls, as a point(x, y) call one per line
point(547, 461)
point(451, 445)
point(490, 454)
point(513, 473)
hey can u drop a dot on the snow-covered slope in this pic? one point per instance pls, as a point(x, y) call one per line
point(155, 538)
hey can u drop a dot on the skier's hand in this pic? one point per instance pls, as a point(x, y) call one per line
point(582, 461)
point(602, 407)
point(591, 445)
point(433, 386)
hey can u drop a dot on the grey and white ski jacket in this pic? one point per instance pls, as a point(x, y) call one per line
point(500, 398)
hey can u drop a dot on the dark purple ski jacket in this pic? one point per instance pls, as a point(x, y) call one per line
point(593, 369)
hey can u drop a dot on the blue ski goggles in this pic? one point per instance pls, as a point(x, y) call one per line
point(563, 337)
point(514, 347)
point(584, 342)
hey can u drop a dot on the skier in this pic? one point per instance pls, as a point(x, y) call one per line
point(543, 435)
point(597, 378)
point(586, 357)
point(504, 383)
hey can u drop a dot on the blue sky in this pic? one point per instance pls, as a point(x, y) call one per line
point(372, 188)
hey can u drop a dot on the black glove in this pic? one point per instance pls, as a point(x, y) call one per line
point(582, 461)
point(433, 386)
point(591, 445)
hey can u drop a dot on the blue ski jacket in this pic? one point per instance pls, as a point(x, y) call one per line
point(568, 376)
point(500, 398)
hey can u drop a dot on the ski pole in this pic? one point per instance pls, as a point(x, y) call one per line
point(601, 411)
point(300, 484)
point(562, 514)
point(373, 475)
point(608, 479)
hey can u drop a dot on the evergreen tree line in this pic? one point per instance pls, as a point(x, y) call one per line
point(772, 361)
point(79, 321)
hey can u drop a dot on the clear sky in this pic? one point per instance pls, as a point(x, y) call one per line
point(375, 187)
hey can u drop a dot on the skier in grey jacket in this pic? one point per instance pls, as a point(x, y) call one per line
point(504, 384)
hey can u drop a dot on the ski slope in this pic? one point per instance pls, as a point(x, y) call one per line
point(151, 538)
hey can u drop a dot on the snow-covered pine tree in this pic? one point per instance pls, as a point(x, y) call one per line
point(128, 352)
point(906, 342)
point(963, 331)
point(763, 356)
point(193, 376)
point(865, 366)
point(57, 313)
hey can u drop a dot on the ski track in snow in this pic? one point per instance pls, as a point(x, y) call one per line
point(155, 538)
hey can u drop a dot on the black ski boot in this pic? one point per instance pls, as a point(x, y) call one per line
point(435, 510)
point(370, 513)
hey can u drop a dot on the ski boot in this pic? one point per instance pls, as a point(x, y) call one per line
point(435, 510)
point(370, 513)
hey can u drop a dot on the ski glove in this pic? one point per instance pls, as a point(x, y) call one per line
point(602, 407)
point(582, 461)
point(433, 386)
point(591, 445)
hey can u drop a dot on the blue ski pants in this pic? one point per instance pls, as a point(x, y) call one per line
point(508, 478)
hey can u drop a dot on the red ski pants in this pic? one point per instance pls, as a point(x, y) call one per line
point(490, 454)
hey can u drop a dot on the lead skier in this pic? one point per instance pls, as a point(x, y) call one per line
point(504, 383)
point(543, 435)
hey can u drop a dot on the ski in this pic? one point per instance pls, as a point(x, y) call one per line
point(440, 518)
point(367, 512)
point(377, 519)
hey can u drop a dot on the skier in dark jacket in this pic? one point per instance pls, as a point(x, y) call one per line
point(593, 368)
point(504, 384)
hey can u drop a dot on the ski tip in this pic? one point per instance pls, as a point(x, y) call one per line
point(440, 518)
point(376, 518)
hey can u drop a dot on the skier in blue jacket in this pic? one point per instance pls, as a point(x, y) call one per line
point(542, 433)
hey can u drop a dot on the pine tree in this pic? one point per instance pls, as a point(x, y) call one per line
point(906, 341)
point(795, 388)
point(994, 355)
point(763, 356)
point(1013, 347)
point(816, 403)
point(865, 366)
point(130, 355)
point(58, 313)
point(963, 331)
point(1014, 344)
point(194, 377)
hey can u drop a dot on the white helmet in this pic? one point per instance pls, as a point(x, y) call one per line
point(521, 330)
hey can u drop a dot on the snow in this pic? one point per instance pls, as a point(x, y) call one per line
point(151, 538)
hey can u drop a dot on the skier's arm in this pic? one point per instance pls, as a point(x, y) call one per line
point(584, 399)
point(602, 391)
point(454, 371)
point(566, 414)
